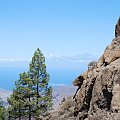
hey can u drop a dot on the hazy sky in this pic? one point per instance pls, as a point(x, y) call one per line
point(65, 27)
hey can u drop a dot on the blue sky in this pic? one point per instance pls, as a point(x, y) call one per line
point(61, 27)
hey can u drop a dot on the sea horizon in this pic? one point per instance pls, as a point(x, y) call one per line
point(58, 76)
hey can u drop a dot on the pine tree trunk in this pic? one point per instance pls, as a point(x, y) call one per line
point(37, 98)
point(19, 113)
point(29, 109)
point(37, 93)
point(9, 118)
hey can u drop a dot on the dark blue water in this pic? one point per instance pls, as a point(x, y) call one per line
point(9, 75)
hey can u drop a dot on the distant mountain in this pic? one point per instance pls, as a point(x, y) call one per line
point(59, 92)
point(4, 94)
point(62, 91)
point(78, 61)
point(77, 58)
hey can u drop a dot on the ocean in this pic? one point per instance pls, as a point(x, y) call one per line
point(8, 76)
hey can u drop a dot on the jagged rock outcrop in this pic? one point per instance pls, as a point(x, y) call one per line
point(98, 93)
point(99, 87)
point(117, 28)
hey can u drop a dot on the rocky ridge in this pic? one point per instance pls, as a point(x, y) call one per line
point(99, 87)
point(98, 93)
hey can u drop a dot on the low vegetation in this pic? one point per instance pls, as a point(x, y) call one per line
point(65, 111)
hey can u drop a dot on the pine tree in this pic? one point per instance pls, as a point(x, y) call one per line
point(18, 99)
point(42, 90)
point(32, 96)
point(2, 110)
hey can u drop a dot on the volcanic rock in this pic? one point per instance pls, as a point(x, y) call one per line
point(100, 88)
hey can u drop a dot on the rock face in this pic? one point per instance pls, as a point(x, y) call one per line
point(98, 93)
point(117, 28)
point(99, 87)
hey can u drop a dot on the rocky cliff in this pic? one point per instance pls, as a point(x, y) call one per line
point(98, 93)
point(99, 87)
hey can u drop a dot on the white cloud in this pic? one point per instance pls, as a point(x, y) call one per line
point(52, 84)
point(13, 60)
point(52, 55)
point(55, 57)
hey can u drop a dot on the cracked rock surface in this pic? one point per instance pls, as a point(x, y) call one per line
point(99, 87)
point(98, 93)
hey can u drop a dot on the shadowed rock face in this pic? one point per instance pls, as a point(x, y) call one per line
point(117, 28)
point(100, 88)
